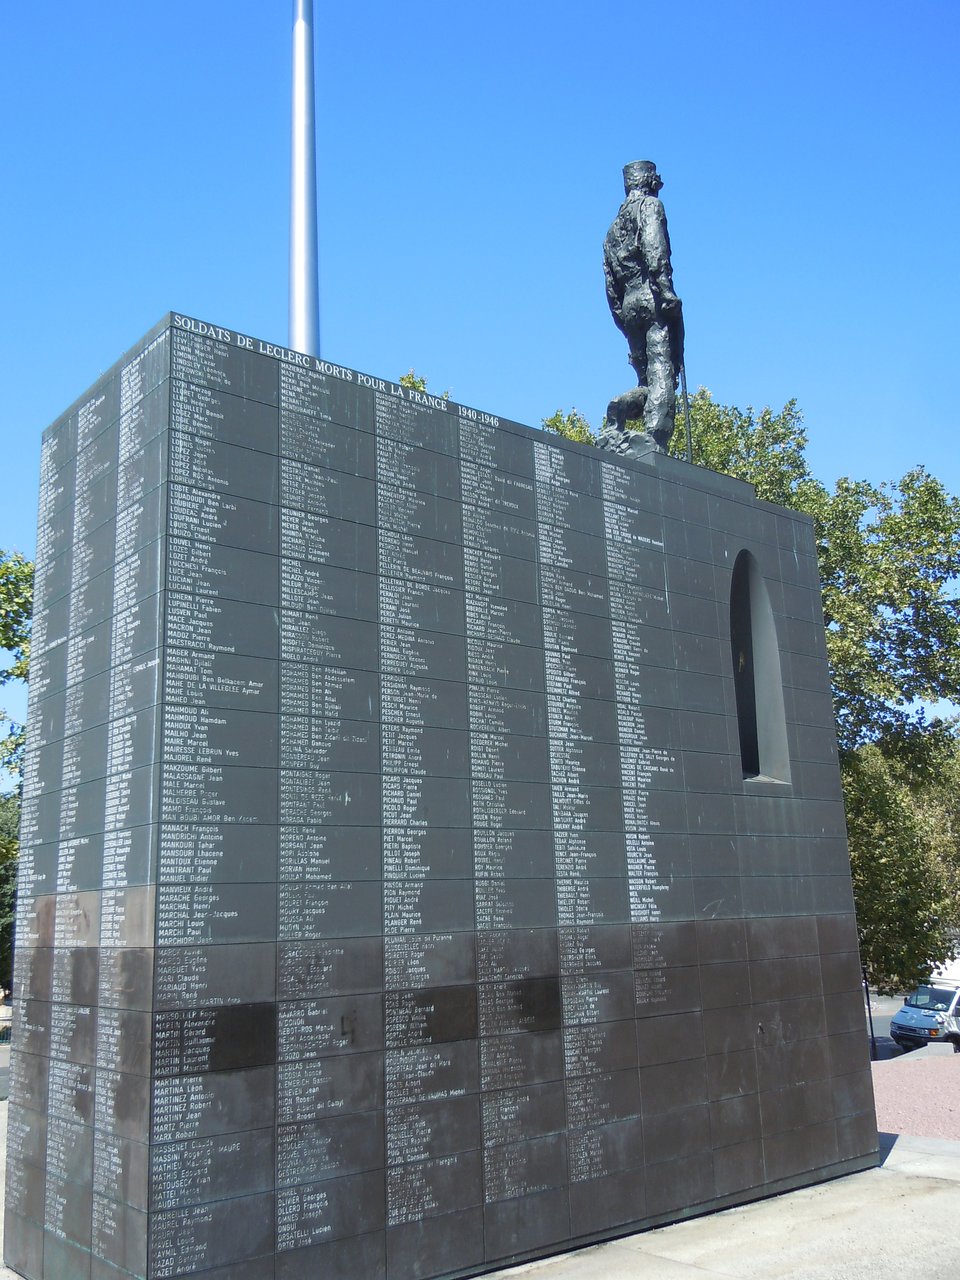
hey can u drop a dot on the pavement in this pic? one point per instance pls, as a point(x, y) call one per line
point(900, 1219)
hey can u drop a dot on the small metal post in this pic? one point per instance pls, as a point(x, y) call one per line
point(873, 1038)
point(304, 273)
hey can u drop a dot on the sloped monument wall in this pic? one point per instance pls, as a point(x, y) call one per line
point(433, 851)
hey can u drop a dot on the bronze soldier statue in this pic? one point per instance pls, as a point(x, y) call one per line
point(636, 263)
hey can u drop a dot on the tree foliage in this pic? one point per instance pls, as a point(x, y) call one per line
point(413, 381)
point(903, 824)
point(16, 610)
point(9, 849)
point(572, 426)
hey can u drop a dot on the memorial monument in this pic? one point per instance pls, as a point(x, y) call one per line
point(433, 847)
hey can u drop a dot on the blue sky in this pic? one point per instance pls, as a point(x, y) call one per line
point(470, 160)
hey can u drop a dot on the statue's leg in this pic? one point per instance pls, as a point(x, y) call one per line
point(638, 354)
point(660, 412)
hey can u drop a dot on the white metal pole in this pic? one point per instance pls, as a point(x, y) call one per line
point(304, 268)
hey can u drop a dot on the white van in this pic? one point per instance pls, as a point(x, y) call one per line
point(930, 1015)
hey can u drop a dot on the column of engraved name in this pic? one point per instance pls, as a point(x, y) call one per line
point(602, 1091)
point(211, 1174)
point(44, 1143)
point(130, 835)
point(432, 1125)
point(37, 874)
point(635, 557)
point(520, 1057)
point(43, 756)
point(646, 721)
point(329, 954)
point(85, 804)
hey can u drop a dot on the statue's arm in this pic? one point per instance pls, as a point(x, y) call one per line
point(655, 243)
point(654, 240)
point(614, 282)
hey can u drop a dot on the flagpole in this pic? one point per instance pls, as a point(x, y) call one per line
point(304, 266)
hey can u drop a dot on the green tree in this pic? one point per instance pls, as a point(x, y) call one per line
point(572, 426)
point(9, 848)
point(413, 381)
point(902, 823)
point(16, 610)
point(889, 556)
point(767, 449)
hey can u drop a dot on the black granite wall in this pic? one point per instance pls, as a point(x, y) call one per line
point(433, 851)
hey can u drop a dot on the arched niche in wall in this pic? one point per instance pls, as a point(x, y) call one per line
point(756, 675)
